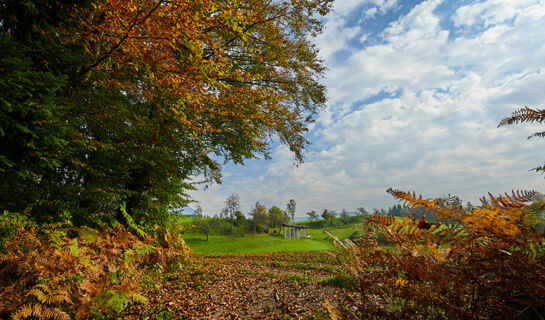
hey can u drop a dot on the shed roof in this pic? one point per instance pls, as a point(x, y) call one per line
point(294, 226)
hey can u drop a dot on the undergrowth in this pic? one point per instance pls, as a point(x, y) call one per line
point(484, 263)
point(57, 271)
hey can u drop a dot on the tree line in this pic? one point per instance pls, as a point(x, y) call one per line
point(261, 219)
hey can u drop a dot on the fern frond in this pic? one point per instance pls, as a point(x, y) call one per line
point(58, 298)
point(38, 293)
point(381, 220)
point(537, 169)
point(537, 134)
point(46, 296)
point(24, 312)
point(55, 314)
point(429, 205)
point(38, 311)
point(515, 200)
point(523, 196)
point(524, 115)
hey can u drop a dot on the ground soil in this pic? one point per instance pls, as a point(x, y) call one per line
point(256, 286)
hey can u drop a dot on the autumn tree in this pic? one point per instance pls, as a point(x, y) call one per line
point(290, 209)
point(133, 99)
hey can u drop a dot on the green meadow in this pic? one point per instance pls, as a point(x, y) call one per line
point(263, 243)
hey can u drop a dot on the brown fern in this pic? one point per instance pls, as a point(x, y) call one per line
point(48, 296)
point(527, 115)
point(432, 206)
point(41, 312)
point(492, 267)
point(524, 115)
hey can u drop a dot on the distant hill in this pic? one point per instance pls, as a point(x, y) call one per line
point(338, 214)
point(187, 211)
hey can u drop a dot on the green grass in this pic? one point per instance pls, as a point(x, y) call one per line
point(262, 243)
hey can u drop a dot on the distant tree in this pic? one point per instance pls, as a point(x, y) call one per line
point(277, 217)
point(312, 215)
point(260, 217)
point(198, 211)
point(206, 225)
point(240, 218)
point(362, 211)
point(232, 204)
point(328, 216)
point(345, 218)
point(290, 208)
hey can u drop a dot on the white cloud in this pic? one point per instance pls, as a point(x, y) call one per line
point(437, 134)
point(497, 11)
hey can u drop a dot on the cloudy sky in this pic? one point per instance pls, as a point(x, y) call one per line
point(416, 90)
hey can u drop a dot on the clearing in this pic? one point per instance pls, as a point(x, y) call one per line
point(226, 243)
point(252, 286)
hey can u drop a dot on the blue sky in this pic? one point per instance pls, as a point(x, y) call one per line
point(416, 90)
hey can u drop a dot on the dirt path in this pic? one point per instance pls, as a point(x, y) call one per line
point(264, 286)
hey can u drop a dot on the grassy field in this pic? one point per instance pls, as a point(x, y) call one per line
point(248, 243)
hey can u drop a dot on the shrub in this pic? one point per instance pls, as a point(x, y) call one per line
point(488, 264)
point(59, 272)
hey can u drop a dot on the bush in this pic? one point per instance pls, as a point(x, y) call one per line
point(57, 271)
point(489, 264)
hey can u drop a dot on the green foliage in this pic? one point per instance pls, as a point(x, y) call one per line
point(290, 209)
point(277, 217)
point(222, 242)
point(206, 225)
point(88, 123)
point(342, 281)
point(10, 224)
point(260, 218)
point(111, 303)
point(329, 217)
point(312, 215)
point(240, 218)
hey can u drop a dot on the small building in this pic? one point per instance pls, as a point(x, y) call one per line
point(295, 231)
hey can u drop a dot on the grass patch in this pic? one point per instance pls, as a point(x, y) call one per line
point(266, 243)
point(341, 281)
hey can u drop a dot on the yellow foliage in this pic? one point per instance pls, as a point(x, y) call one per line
point(71, 273)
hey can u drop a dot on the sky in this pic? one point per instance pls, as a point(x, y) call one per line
point(416, 90)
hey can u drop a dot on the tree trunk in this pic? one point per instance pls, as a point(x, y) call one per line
point(138, 182)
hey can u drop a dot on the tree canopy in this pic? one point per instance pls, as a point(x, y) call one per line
point(110, 101)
